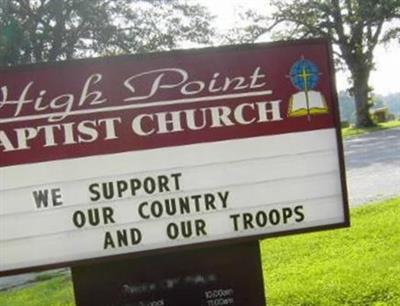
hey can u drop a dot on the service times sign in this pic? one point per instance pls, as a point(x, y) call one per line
point(137, 153)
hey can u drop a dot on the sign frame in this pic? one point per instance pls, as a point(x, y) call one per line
point(335, 113)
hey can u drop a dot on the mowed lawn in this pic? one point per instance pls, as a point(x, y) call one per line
point(355, 266)
point(351, 131)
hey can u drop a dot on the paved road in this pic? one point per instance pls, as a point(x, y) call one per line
point(8, 282)
point(373, 172)
point(20, 280)
point(373, 166)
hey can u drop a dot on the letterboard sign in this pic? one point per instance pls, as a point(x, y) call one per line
point(146, 152)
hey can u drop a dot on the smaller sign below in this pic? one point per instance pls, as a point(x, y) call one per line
point(199, 277)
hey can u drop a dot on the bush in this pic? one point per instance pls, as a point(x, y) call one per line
point(344, 124)
point(380, 114)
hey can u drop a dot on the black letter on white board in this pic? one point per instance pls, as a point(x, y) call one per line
point(42, 197)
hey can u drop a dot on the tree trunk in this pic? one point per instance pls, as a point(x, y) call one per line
point(360, 91)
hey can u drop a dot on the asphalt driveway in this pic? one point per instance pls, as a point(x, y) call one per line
point(373, 166)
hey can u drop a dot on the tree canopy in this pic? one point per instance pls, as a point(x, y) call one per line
point(356, 27)
point(46, 30)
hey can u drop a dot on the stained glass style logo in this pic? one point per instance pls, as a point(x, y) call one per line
point(305, 75)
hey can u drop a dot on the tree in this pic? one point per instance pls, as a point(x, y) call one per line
point(47, 30)
point(393, 102)
point(346, 107)
point(250, 27)
point(354, 26)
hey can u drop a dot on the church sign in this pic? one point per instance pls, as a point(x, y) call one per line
point(133, 154)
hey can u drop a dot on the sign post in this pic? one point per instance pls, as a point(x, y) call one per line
point(144, 154)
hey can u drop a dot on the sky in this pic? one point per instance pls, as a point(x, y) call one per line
point(384, 79)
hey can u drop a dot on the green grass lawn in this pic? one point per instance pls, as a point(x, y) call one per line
point(348, 132)
point(354, 266)
point(48, 292)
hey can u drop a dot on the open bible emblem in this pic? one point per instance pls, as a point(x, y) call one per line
point(305, 75)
